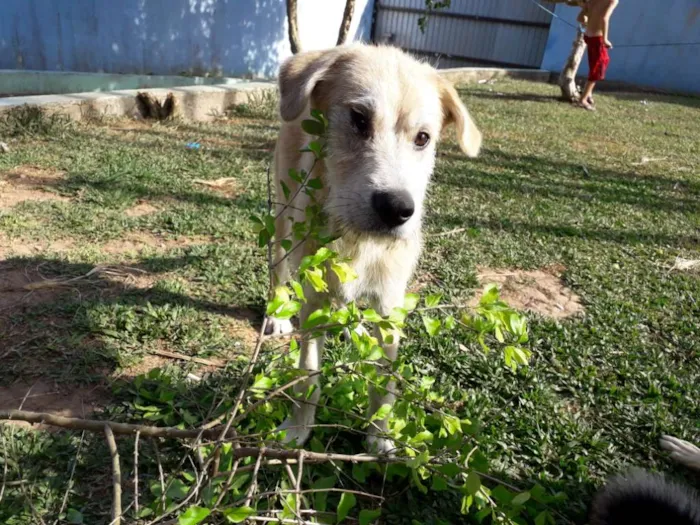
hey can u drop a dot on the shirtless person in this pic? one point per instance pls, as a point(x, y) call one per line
point(595, 17)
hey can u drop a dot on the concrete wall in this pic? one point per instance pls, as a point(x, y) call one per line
point(166, 37)
point(675, 68)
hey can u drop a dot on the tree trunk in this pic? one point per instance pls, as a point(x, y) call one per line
point(567, 79)
point(345, 24)
point(294, 41)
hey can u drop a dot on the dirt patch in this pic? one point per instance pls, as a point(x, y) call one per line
point(55, 399)
point(27, 286)
point(29, 183)
point(144, 366)
point(20, 247)
point(135, 243)
point(228, 186)
point(538, 291)
point(24, 287)
point(141, 209)
point(245, 328)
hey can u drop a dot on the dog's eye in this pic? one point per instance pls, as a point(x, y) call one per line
point(421, 139)
point(361, 123)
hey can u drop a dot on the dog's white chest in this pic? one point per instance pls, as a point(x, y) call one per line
point(384, 268)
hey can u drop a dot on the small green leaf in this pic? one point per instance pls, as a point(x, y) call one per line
point(410, 302)
point(193, 515)
point(315, 183)
point(288, 310)
point(286, 244)
point(439, 483)
point(74, 516)
point(298, 290)
point(367, 516)
point(344, 272)
point(285, 189)
point(473, 483)
point(320, 498)
point(432, 325)
point(433, 300)
point(296, 176)
point(312, 127)
point(521, 498)
point(382, 413)
point(490, 295)
point(316, 318)
point(263, 238)
point(359, 472)
point(371, 316)
point(238, 514)
point(262, 383)
point(347, 502)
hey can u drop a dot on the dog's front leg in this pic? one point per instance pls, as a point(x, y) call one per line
point(383, 396)
point(300, 422)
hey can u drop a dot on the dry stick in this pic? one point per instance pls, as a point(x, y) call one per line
point(448, 232)
point(228, 483)
point(93, 425)
point(300, 472)
point(161, 475)
point(116, 476)
point(70, 478)
point(4, 470)
point(199, 360)
point(254, 484)
point(136, 473)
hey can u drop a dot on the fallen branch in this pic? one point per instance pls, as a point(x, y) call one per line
point(183, 357)
point(93, 425)
point(448, 232)
point(116, 476)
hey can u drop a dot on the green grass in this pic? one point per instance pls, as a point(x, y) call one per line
point(553, 186)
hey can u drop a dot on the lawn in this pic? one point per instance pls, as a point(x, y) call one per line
point(601, 203)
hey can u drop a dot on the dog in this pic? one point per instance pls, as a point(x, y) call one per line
point(641, 498)
point(386, 111)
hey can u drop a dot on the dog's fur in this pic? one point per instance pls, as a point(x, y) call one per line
point(638, 497)
point(398, 98)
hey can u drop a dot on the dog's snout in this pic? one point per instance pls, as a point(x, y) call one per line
point(394, 208)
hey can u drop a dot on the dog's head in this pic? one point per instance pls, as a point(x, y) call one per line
point(386, 112)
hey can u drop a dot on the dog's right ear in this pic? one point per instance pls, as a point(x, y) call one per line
point(298, 77)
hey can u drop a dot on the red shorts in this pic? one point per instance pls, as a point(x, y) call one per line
point(598, 57)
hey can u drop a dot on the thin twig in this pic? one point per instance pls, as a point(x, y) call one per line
point(448, 232)
point(254, 484)
point(183, 357)
point(98, 426)
point(161, 475)
point(70, 477)
point(116, 476)
point(136, 472)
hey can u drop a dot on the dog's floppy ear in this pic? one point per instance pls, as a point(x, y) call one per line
point(298, 77)
point(454, 112)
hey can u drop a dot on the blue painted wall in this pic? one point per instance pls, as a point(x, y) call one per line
point(230, 37)
point(640, 22)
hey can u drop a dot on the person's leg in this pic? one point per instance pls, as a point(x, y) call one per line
point(587, 95)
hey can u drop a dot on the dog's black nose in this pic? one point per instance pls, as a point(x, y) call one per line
point(393, 207)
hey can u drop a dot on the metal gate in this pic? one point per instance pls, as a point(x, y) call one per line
point(496, 33)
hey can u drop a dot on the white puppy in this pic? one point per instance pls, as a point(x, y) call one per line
point(386, 111)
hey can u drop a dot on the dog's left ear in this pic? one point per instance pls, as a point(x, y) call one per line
point(298, 78)
point(454, 112)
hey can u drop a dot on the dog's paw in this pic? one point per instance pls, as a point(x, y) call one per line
point(380, 445)
point(682, 451)
point(276, 326)
point(296, 435)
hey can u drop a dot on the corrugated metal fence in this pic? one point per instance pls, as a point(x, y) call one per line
point(498, 33)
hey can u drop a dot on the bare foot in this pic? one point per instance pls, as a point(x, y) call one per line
point(585, 105)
